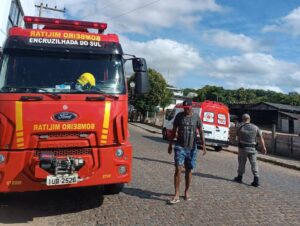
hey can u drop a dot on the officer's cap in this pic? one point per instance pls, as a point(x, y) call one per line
point(245, 116)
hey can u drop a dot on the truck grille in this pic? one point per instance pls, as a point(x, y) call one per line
point(65, 152)
point(62, 134)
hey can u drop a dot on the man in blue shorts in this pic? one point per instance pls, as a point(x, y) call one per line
point(185, 151)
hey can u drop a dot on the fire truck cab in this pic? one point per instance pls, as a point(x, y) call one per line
point(215, 120)
point(63, 107)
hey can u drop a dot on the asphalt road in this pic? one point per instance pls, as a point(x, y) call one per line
point(216, 199)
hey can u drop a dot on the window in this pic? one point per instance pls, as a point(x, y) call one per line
point(221, 119)
point(172, 114)
point(16, 14)
point(208, 117)
point(50, 70)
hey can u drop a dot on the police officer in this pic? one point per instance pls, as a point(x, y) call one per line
point(247, 134)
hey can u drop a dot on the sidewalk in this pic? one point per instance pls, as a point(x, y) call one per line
point(277, 160)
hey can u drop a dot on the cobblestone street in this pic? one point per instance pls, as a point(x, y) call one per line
point(216, 200)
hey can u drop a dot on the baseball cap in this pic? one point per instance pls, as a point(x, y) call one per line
point(246, 116)
point(187, 104)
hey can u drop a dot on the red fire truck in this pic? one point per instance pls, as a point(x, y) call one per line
point(63, 107)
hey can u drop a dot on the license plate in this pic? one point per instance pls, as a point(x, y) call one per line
point(61, 180)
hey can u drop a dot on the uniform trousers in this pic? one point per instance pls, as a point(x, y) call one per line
point(251, 154)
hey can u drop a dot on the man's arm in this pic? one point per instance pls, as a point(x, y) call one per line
point(262, 142)
point(171, 138)
point(200, 129)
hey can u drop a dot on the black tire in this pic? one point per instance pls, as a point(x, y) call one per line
point(164, 134)
point(112, 189)
point(218, 148)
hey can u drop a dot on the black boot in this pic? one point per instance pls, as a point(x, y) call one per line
point(255, 182)
point(238, 179)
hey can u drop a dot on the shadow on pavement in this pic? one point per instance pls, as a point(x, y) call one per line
point(156, 139)
point(24, 207)
point(212, 176)
point(153, 160)
point(144, 194)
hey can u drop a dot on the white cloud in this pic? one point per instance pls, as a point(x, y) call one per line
point(255, 70)
point(171, 58)
point(289, 24)
point(297, 90)
point(140, 16)
point(230, 40)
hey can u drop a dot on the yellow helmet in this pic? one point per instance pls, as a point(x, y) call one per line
point(87, 79)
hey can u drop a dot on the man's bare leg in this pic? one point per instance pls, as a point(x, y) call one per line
point(188, 179)
point(178, 170)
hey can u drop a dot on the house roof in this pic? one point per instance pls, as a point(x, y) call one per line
point(266, 106)
point(284, 107)
point(291, 115)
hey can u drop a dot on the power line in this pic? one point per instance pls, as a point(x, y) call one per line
point(107, 5)
point(133, 10)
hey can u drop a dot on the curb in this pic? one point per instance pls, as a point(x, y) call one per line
point(149, 130)
point(272, 161)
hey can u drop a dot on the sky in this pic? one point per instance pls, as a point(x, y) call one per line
point(193, 43)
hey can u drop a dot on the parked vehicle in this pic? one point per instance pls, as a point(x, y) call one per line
point(64, 107)
point(215, 118)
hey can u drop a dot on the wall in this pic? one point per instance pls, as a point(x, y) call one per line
point(297, 126)
point(285, 125)
point(28, 9)
point(4, 11)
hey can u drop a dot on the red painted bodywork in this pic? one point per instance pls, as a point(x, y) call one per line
point(208, 106)
point(21, 171)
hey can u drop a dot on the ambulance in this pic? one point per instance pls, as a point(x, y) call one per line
point(215, 119)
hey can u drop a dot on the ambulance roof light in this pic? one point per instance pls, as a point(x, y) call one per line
point(63, 24)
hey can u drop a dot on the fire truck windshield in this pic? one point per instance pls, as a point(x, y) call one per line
point(62, 72)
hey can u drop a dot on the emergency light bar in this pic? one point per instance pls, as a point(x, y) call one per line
point(51, 23)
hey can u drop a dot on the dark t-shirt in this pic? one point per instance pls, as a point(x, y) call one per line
point(187, 129)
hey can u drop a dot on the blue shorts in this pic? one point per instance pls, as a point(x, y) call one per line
point(186, 157)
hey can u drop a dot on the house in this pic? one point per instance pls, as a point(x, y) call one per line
point(178, 97)
point(11, 14)
point(285, 117)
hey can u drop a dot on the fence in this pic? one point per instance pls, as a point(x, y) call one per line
point(282, 144)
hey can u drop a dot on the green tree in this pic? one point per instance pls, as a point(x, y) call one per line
point(246, 96)
point(158, 94)
point(166, 99)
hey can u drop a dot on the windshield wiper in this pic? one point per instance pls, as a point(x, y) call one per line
point(45, 92)
point(102, 93)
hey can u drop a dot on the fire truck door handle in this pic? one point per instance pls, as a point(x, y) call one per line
point(99, 98)
point(31, 98)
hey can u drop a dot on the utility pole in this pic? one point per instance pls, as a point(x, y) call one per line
point(42, 6)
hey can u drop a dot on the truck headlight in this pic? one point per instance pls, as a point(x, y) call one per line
point(119, 153)
point(122, 170)
point(2, 158)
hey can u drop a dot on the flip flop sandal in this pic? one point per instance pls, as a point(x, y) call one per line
point(187, 199)
point(174, 201)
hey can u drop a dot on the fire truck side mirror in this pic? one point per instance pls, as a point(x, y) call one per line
point(141, 75)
